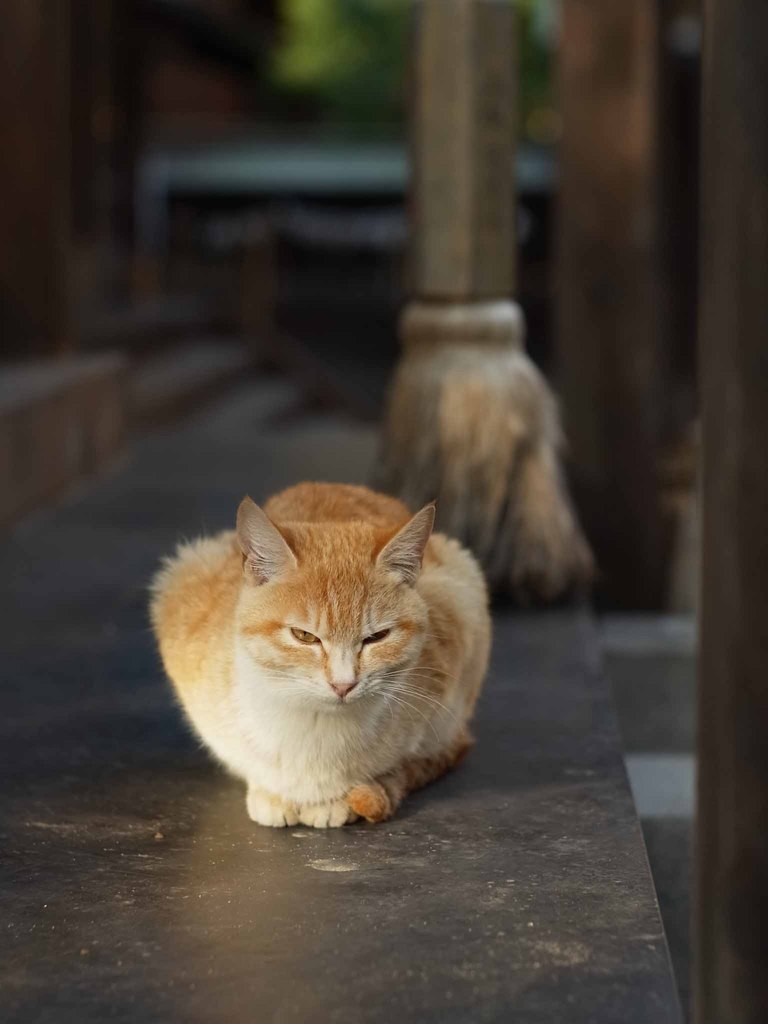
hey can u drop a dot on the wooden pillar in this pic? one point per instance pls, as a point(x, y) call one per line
point(97, 163)
point(732, 918)
point(35, 197)
point(471, 422)
point(679, 112)
point(129, 47)
point(607, 297)
point(463, 148)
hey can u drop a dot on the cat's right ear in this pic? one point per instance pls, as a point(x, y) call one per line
point(403, 554)
point(266, 552)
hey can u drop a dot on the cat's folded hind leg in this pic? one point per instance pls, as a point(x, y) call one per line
point(378, 800)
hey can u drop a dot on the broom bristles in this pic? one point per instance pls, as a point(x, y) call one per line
point(473, 425)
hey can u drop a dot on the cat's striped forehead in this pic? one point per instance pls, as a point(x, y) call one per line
point(340, 602)
point(337, 590)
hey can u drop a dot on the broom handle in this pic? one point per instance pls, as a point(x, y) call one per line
point(463, 149)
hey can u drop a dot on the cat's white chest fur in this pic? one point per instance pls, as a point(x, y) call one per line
point(305, 752)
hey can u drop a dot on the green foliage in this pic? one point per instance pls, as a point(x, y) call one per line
point(536, 29)
point(348, 58)
point(348, 55)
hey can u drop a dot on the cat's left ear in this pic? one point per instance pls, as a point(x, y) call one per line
point(266, 551)
point(403, 554)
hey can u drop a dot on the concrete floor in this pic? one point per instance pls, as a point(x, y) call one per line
point(135, 889)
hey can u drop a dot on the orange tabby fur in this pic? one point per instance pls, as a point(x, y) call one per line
point(379, 704)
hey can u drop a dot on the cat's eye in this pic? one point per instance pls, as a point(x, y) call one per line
point(304, 637)
point(375, 637)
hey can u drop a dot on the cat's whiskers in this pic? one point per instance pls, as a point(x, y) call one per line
point(428, 698)
point(400, 700)
point(416, 670)
point(426, 680)
point(388, 705)
point(402, 680)
point(415, 674)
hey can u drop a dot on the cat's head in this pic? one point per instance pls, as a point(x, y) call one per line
point(329, 613)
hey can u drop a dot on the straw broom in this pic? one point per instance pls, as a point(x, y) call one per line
point(471, 423)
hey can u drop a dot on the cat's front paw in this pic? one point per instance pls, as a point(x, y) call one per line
point(266, 809)
point(333, 814)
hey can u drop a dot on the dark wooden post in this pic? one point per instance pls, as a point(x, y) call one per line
point(732, 918)
point(607, 289)
point(129, 46)
point(35, 197)
point(679, 111)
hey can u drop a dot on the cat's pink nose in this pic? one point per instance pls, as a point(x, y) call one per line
point(342, 689)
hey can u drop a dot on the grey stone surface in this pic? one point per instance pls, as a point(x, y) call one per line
point(670, 852)
point(135, 889)
point(650, 661)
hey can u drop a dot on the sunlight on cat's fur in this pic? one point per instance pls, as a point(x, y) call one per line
point(329, 651)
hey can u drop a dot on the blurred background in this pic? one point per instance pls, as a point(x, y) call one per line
point(195, 185)
point(196, 191)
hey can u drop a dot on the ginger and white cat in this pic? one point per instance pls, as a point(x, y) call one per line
point(329, 651)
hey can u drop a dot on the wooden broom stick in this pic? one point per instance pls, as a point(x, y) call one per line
point(471, 422)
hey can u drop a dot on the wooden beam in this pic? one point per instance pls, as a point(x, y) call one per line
point(732, 918)
point(35, 195)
